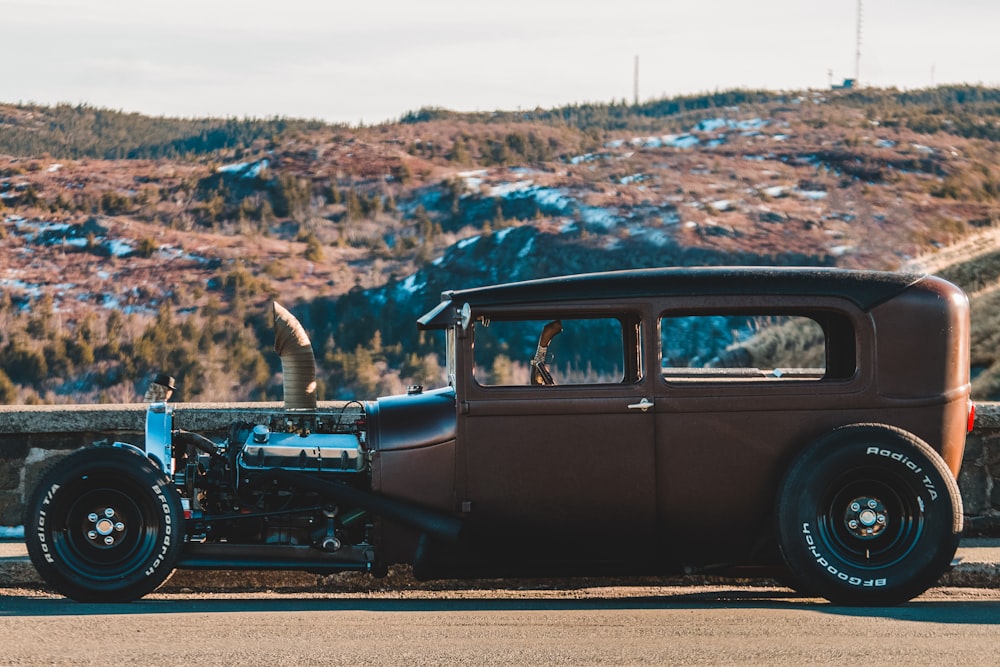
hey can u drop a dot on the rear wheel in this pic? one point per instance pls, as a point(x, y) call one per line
point(868, 515)
point(104, 525)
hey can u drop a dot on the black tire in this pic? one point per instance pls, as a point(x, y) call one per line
point(868, 515)
point(104, 525)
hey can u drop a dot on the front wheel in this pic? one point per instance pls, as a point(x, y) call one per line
point(868, 515)
point(104, 525)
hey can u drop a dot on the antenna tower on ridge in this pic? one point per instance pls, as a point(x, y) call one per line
point(635, 83)
point(857, 52)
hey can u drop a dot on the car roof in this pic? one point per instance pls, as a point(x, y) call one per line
point(865, 289)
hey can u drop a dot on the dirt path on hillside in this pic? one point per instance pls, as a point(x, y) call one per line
point(969, 247)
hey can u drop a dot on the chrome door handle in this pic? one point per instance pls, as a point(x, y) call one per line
point(644, 404)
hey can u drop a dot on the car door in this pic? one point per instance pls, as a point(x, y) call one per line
point(561, 471)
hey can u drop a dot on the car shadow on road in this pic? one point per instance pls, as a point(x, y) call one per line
point(975, 611)
point(979, 610)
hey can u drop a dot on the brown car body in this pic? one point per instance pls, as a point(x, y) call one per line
point(654, 448)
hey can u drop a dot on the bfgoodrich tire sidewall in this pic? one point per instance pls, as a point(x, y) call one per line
point(58, 549)
point(924, 524)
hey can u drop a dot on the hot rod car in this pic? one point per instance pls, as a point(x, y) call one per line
point(811, 421)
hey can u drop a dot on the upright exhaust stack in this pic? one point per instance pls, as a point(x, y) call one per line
point(298, 365)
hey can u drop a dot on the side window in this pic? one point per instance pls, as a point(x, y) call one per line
point(756, 347)
point(554, 351)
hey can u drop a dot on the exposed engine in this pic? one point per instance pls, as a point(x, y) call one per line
point(258, 487)
point(291, 487)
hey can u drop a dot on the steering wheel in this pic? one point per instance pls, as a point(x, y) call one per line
point(540, 374)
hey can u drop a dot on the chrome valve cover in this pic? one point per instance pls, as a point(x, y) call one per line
point(316, 452)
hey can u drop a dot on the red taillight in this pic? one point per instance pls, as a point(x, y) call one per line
point(972, 417)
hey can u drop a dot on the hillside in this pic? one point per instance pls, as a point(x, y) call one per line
point(131, 244)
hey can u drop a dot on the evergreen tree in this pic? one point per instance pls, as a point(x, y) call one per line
point(8, 390)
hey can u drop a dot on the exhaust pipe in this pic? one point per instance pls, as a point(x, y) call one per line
point(426, 520)
point(298, 365)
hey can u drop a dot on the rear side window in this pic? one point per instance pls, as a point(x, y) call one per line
point(759, 347)
point(583, 351)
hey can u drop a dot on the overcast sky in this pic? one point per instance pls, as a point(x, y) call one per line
point(371, 60)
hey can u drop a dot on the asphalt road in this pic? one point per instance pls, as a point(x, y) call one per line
point(596, 626)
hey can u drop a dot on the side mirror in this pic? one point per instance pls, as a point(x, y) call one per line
point(465, 317)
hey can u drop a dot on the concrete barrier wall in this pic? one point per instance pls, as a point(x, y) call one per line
point(33, 437)
point(979, 479)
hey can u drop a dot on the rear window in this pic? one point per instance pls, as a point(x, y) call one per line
point(759, 347)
